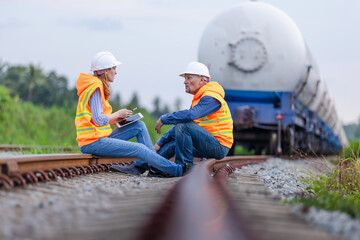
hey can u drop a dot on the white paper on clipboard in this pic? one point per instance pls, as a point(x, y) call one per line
point(129, 120)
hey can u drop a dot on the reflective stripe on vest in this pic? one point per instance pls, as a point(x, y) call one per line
point(83, 112)
point(221, 100)
point(219, 123)
point(89, 92)
point(211, 121)
point(92, 129)
point(223, 132)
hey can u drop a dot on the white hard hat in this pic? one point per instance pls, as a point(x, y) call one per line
point(103, 60)
point(196, 68)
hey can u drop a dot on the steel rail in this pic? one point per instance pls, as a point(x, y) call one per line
point(24, 169)
point(239, 161)
point(20, 170)
point(199, 206)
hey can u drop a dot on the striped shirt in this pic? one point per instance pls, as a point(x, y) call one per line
point(96, 108)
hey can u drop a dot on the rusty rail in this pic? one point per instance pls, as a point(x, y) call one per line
point(20, 170)
point(239, 161)
point(200, 207)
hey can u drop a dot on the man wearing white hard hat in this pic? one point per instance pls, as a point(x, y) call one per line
point(205, 130)
point(94, 116)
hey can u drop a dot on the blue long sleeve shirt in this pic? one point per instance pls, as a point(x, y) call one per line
point(206, 106)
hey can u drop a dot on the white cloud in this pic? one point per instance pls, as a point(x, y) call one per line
point(120, 9)
point(156, 38)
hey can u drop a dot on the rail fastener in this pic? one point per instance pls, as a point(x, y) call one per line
point(24, 169)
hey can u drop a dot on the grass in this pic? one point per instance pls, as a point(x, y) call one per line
point(239, 150)
point(47, 128)
point(49, 149)
point(339, 189)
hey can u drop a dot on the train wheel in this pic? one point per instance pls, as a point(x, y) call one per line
point(271, 149)
point(288, 141)
point(258, 149)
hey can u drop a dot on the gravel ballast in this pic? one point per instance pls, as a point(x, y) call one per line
point(94, 206)
point(285, 179)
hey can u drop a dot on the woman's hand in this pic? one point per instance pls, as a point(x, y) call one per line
point(124, 113)
point(120, 114)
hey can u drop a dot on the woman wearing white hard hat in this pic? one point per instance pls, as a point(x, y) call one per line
point(94, 116)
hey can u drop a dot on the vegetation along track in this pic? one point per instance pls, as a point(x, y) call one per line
point(206, 204)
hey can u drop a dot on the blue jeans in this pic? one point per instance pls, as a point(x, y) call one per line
point(191, 141)
point(117, 145)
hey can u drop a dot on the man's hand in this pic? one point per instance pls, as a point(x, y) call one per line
point(158, 126)
point(157, 147)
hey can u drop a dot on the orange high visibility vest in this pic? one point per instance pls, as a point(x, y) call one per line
point(87, 131)
point(219, 123)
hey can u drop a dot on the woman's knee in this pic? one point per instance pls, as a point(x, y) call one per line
point(140, 124)
point(143, 151)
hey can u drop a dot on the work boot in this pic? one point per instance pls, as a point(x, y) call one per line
point(131, 169)
point(154, 172)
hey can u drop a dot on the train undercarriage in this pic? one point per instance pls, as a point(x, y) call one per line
point(278, 124)
point(293, 141)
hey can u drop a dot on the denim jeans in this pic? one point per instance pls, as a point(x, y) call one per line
point(117, 145)
point(191, 141)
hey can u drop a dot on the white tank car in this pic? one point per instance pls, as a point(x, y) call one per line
point(255, 46)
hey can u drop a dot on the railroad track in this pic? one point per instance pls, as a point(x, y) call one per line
point(209, 203)
point(25, 169)
point(226, 206)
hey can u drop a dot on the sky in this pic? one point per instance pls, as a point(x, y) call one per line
point(155, 39)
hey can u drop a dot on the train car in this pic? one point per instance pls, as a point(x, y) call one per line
point(279, 101)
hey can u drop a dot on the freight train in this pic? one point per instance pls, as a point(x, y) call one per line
point(279, 101)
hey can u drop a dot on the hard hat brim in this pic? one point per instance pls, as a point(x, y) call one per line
point(191, 73)
point(117, 63)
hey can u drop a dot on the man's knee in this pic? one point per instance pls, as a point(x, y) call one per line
point(182, 127)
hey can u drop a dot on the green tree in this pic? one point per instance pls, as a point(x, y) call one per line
point(166, 109)
point(31, 84)
point(178, 104)
point(117, 99)
point(115, 102)
point(157, 111)
point(134, 102)
point(15, 79)
point(5, 102)
point(53, 91)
